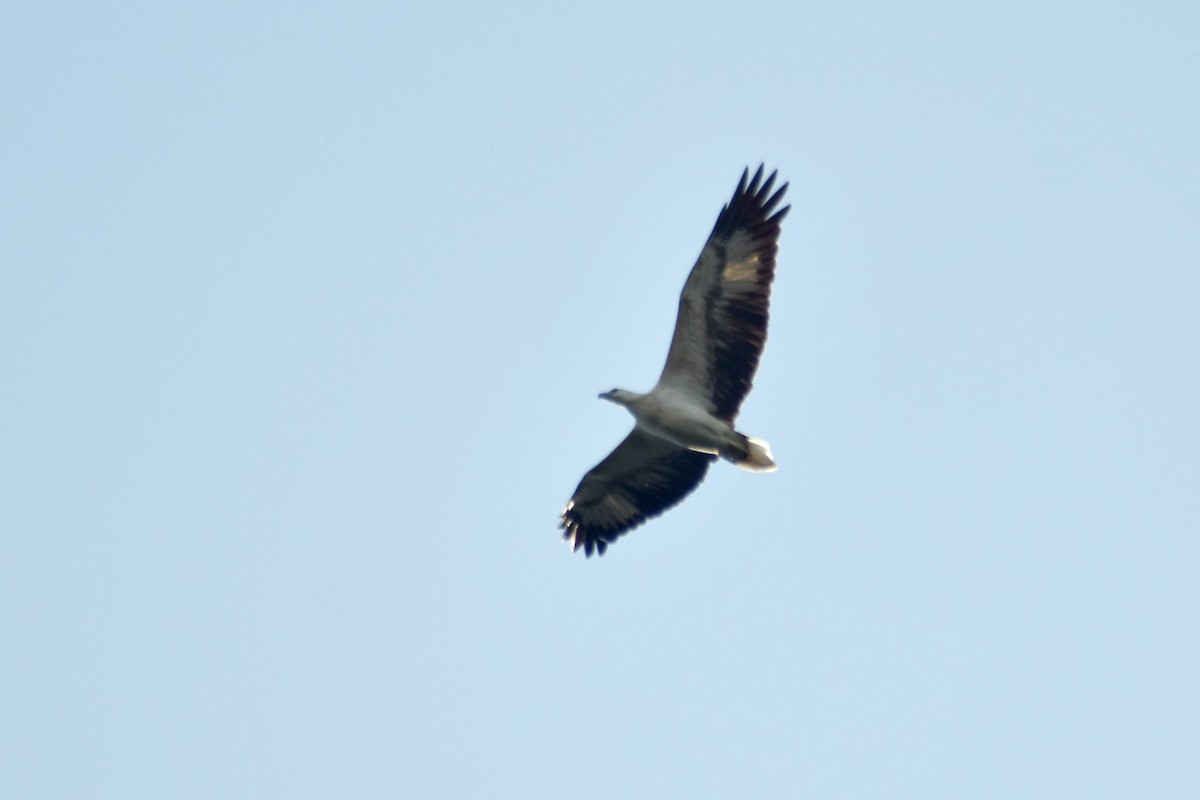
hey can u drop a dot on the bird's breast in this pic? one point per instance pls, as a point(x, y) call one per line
point(682, 422)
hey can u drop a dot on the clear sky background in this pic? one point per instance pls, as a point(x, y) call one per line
point(303, 313)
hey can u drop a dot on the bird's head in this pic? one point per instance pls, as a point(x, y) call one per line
point(619, 396)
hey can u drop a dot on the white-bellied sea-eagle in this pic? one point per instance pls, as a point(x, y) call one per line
point(686, 420)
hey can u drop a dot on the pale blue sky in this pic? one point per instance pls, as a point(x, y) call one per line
point(303, 313)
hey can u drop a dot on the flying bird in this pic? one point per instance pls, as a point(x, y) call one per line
point(686, 420)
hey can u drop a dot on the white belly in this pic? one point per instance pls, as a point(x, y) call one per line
point(681, 421)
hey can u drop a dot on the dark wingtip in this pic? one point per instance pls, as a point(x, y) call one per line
point(576, 537)
point(753, 198)
point(774, 200)
point(758, 173)
point(766, 187)
point(741, 187)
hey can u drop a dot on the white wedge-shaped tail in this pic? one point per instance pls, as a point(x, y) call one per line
point(760, 459)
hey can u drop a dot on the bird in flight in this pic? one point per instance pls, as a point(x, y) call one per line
point(686, 420)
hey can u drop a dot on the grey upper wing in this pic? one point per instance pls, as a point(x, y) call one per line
point(723, 310)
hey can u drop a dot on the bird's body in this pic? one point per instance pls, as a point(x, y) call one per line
point(677, 417)
point(686, 420)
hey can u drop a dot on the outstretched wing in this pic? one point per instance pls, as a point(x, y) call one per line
point(640, 479)
point(723, 309)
